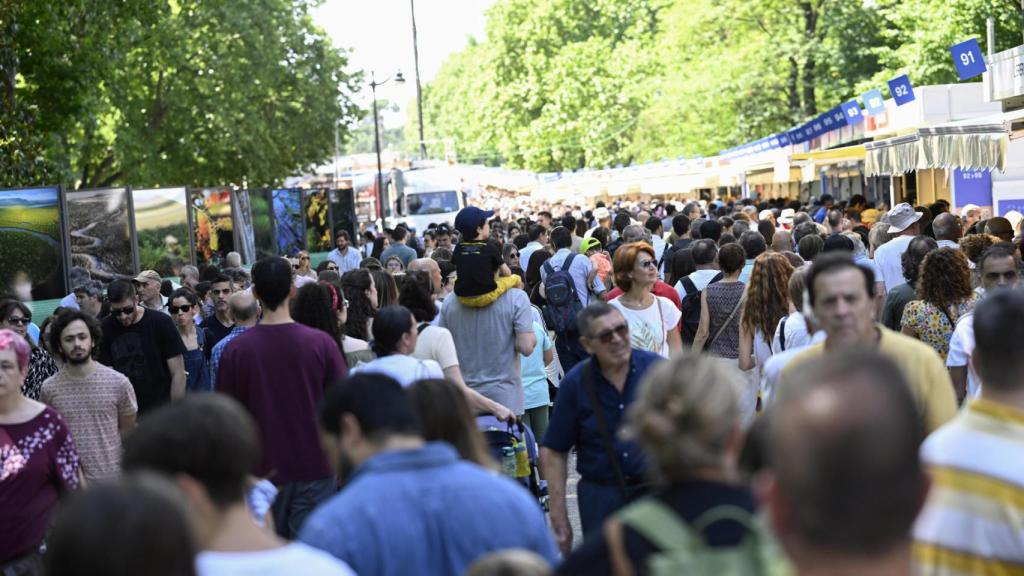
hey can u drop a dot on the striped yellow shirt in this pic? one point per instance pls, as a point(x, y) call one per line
point(973, 521)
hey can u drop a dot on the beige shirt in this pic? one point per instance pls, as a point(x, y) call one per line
point(91, 407)
point(436, 343)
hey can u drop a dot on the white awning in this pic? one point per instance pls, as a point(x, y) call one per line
point(980, 143)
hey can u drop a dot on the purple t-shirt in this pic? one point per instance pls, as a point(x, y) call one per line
point(279, 373)
point(38, 462)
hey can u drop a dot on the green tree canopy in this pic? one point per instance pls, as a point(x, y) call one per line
point(198, 92)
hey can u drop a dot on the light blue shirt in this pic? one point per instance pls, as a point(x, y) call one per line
point(535, 378)
point(218, 350)
point(579, 270)
point(424, 511)
point(526, 252)
point(747, 269)
point(348, 261)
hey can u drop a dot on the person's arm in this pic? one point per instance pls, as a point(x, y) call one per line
point(176, 365)
point(746, 349)
point(555, 467)
point(549, 356)
point(905, 329)
point(125, 424)
point(704, 327)
point(958, 374)
point(880, 295)
point(525, 343)
point(522, 324)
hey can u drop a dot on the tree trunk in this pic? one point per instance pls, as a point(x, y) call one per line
point(810, 10)
point(793, 89)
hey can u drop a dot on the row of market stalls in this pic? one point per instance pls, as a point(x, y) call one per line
point(958, 142)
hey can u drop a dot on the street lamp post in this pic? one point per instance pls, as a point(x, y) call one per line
point(419, 89)
point(399, 79)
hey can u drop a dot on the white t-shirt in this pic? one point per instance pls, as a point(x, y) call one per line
point(889, 261)
point(291, 559)
point(404, 369)
point(435, 343)
point(648, 328)
point(796, 333)
point(961, 347)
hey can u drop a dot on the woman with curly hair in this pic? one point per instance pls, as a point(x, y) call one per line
point(767, 301)
point(361, 293)
point(944, 289)
point(323, 306)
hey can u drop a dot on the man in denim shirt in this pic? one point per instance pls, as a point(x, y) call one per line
point(411, 506)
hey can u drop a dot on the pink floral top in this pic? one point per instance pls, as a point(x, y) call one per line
point(931, 325)
point(38, 462)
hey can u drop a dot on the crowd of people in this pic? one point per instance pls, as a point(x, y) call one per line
point(748, 387)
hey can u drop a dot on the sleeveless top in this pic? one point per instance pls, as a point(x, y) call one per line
point(722, 298)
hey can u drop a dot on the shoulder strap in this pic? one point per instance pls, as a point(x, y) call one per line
point(660, 525)
point(688, 285)
point(716, 278)
point(728, 320)
point(423, 326)
point(602, 425)
point(568, 262)
point(548, 268)
point(782, 332)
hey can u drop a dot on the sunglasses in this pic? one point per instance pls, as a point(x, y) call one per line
point(605, 337)
point(176, 309)
point(303, 257)
point(332, 267)
point(295, 266)
point(514, 255)
point(649, 264)
point(21, 321)
point(126, 311)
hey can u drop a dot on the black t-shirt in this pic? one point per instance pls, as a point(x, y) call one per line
point(475, 265)
point(140, 352)
point(216, 329)
point(689, 500)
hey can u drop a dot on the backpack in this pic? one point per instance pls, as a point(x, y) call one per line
point(682, 549)
point(562, 301)
point(692, 308)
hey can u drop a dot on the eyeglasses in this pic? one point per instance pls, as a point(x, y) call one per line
point(649, 264)
point(176, 309)
point(21, 321)
point(622, 331)
point(126, 311)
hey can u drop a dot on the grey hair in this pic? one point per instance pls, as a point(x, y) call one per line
point(685, 413)
point(635, 233)
point(858, 243)
point(878, 235)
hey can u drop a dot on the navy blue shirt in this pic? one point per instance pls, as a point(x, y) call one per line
point(573, 422)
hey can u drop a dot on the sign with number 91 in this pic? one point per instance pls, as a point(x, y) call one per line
point(968, 59)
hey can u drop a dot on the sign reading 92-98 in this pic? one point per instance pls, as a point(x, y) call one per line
point(968, 59)
point(902, 91)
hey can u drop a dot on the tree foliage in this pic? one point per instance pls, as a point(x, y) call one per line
point(199, 92)
point(563, 84)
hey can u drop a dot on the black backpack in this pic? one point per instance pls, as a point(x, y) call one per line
point(692, 308)
point(562, 301)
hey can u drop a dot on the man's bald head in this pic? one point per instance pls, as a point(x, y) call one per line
point(243, 308)
point(430, 266)
point(844, 434)
point(947, 227)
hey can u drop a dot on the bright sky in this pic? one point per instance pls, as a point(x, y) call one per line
point(378, 35)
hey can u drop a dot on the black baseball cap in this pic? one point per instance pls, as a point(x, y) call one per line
point(469, 219)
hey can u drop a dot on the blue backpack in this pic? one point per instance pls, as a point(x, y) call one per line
point(563, 303)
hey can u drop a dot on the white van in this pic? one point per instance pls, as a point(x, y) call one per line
point(424, 197)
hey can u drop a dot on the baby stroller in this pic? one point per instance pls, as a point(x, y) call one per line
point(514, 448)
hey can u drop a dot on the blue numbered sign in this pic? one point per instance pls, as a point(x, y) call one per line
point(873, 102)
point(968, 59)
point(902, 91)
point(852, 112)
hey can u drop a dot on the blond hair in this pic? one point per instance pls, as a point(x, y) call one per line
point(685, 413)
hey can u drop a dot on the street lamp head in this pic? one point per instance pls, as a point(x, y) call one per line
point(399, 79)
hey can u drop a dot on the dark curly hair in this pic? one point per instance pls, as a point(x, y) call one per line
point(414, 293)
point(944, 279)
point(911, 259)
point(314, 306)
point(355, 283)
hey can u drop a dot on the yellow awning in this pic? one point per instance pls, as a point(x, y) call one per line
point(844, 154)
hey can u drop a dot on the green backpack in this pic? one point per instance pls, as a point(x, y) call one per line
point(683, 548)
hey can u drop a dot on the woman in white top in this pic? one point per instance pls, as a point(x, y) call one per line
point(436, 343)
point(653, 320)
point(394, 341)
point(766, 302)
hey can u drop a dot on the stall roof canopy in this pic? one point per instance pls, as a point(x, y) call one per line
point(844, 154)
point(977, 143)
